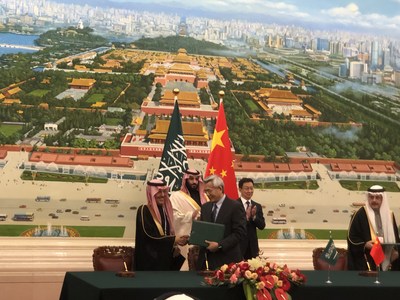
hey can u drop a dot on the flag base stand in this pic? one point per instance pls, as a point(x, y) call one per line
point(368, 273)
point(125, 274)
point(207, 273)
point(328, 280)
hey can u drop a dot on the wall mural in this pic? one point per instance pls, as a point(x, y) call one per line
point(311, 97)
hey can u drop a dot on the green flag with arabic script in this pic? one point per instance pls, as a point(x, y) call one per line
point(330, 254)
point(174, 158)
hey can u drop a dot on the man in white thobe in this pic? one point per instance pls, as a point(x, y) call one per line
point(186, 203)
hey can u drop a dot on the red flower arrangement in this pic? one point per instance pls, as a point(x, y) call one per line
point(261, 280)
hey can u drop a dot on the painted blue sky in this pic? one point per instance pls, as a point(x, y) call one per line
point(365, 7)
point(359, 15)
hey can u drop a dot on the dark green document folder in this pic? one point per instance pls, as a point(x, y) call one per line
point(201, 231)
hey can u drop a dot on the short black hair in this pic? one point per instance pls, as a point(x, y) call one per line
point(244, 180)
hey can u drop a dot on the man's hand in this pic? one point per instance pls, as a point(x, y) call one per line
point(369, 244)
point(253, 212)
point(195, 215)
point(181, 240)
point(212, 246)
point(248, 213)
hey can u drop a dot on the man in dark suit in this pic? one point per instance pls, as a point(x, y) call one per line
point(254, 219)
point(221, 209)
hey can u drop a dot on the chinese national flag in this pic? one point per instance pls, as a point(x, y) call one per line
point(220, 161)
point(377, 252)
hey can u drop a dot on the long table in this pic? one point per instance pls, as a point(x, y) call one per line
point(346, 285)
point(145, 285)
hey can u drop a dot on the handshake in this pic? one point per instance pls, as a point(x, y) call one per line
point(181, 240)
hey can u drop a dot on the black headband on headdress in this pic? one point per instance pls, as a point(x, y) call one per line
point(376, 189)
point(156, 183)
point(192, 172)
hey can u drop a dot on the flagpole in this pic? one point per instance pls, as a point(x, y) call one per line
point(377, 275)
point(176, 93)
point(328, 280)
point(173, 160)
point(377, 266)
point(221, 158)
point(378, 256)
point(221, 95)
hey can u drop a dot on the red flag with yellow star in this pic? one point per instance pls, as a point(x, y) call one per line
point(377, 252)
point(220, 161)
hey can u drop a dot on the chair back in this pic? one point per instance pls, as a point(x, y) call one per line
point(319, 264)
point(112, 258)
point(192, 257)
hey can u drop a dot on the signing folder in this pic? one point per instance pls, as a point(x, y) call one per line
point(394, 245)
point(201, 231)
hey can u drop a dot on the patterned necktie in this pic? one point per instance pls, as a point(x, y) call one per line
point(214, 212)
point(247, 204)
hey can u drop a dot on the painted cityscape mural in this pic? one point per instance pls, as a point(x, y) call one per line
point(87, 89)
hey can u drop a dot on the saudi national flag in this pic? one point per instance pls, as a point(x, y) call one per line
point(174, 159)
point(330, 254)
